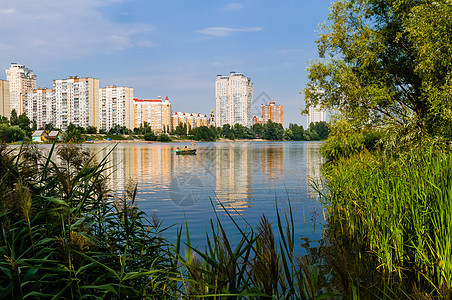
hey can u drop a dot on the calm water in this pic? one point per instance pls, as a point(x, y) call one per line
point(247, 178)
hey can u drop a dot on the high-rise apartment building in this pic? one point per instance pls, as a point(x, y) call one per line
point(116, 107)
point(316, 114)
point(156, 112)
point(39, 107)
point(234, 96)
point(21, 81)
point(5, 109)
point(76, 102)
point(273, 112)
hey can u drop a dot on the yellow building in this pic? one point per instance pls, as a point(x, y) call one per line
point(156, 112)
point(5, 108)
point(191, 119)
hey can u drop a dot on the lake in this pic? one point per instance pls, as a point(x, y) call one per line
point(246, 178)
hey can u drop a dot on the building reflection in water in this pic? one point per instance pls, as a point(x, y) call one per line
point(234, 175)
point(272, 160)
point(238, 175)
point(314, 162)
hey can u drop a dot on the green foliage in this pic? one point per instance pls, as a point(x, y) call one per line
point(181, 129)
point(164, 138)
point(91, 130)
point(10, 134)
point(118, 129)
point(399, 209)
point(204, 133)
point(65, 236)
point(49, 127)
point(273, 131)
point(258, 129)
point(386, 63)
point(73, 134)
point(4, 120)
point(150, 136)
point(346, 140)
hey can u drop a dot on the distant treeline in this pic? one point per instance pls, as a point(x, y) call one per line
point(20, 128)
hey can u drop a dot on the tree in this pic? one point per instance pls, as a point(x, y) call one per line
point(49, 127)
point(150, 136)
point(273, 131)
point(163, 138)
point(321, 129)
point(72, 134)
point(386, 63)
point(258, 129)
point(91, 129)
point(13, 118)
point(204, 133)
point(181, 129)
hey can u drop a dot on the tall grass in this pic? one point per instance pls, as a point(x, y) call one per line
point(400, 209)
point(65, 235)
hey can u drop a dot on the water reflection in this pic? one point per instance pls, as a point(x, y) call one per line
point(247, 178)
point(314, 162)
point(235, 174)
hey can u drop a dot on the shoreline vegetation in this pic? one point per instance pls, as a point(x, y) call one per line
point(384, 72)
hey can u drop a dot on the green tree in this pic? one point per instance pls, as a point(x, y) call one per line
point(150, 136)
point(24, 123)
point(164, 138)
point(91, 129)
point(258, 129)
point(321, 128)
point(10, 134)
point(204, 133)
point(13, 118)
point(273, 131)
point(49, 127)
point(181, 129)
point(72, 134)
point(386, 62)
point(4, 120)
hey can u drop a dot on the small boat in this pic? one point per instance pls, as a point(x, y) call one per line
point(186, 152)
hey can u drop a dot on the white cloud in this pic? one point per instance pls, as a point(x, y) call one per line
point(226, 31)
point(288, 51)
point(233, 6)
point(54, 28)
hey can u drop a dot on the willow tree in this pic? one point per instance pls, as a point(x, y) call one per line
point(386, 63)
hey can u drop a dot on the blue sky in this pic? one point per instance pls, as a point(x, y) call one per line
point(172, 48)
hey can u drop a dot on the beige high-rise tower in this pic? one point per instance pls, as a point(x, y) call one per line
point(5, 109)
point(76, 102)
point(21, 81)
point(234, 96)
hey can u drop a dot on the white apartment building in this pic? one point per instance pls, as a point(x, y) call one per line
point(21, 81)
point(76, 102)
point(156, 112)
point(39, 106)
point(115, 107)
point(5, 109)
point(234, 96)
point(316, 114)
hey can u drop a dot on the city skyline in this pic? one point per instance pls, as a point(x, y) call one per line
point(174, 49)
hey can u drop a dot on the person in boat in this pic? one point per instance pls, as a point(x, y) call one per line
point(185, 148)
point(177, 149)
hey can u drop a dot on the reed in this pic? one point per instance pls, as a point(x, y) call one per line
point(400, 209)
